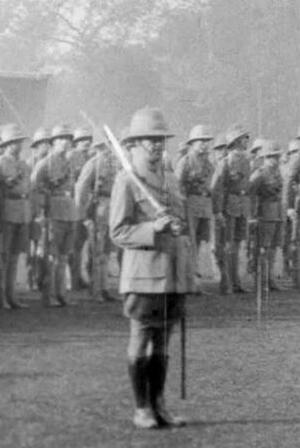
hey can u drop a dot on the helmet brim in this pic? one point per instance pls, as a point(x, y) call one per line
point(13, 140)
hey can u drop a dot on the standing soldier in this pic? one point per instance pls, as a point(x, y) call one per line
point(194, 172)
point(231, 203)
point(220, 152)
point(40, 147)
point(255, 154)
point(15, 175)
point(95, 181)
point(287, 163)
point(154, 273)
point(77, 158)
point(266, 186)
point(53, 175)
point(292, 204)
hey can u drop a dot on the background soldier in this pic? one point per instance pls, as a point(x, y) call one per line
point(255, 154)
point(77, 157)
point(15, 175)
point(220, 148)
point(40, 147)
point(292, 204)
point(266, 186)
point(220, 152)
point(286, 167)
point(194, 172)
point(53, 175)
point(154, 270)
point(231, 201)
point(95, 181)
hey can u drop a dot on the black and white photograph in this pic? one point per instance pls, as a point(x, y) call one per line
point(149, 223)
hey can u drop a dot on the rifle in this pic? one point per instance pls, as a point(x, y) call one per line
point(160, 210)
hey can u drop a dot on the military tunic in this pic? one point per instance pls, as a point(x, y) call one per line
point(266, 184)
point(154, 265)
point(231, 200)
point(93, 190)
point(15, 175)
point(194, 174)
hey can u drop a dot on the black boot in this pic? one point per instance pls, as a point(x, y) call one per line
point(143, 417)
point(157, 373)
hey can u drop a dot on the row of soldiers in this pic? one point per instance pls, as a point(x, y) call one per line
point(45, 203)
point(68, 181)
point(241, 186)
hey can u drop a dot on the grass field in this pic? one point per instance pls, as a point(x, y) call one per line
point(63, 377)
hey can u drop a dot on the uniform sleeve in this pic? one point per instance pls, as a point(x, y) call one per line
point(217, 188)
point(181, 172)
point(38, 174)
point(84, 184)
point(124, 231)
point(292, 178)
point(255, 182)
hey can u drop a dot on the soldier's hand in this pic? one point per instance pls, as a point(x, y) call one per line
point(176, 227)
point(291, 213)
point(163, 223)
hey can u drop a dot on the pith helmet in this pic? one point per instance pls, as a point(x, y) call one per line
point(61, 131)
point(148, 122)
point(294, 146)
point(220, 141)
point(11, 133)
point(200, 132)
point(41, 135)
point(257, 144)
point(234, 133)
point(82, 134)
point(124, 137)
point(270, 149)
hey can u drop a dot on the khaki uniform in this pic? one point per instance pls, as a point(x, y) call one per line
point(94, 187)
point(53, 175)
point(194, 175)
point(230, 197)
point(266, 185)
point(15, 175)
point(77, 160)
point(292, 201)
point(152, 264)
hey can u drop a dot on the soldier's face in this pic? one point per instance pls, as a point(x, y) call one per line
point(200, 146)
point(152, 149)
point(272, 161)
point(244, 142)
point(43, 149)
point(83, 145)
point(14, 149)
point(62, 145)
point(219, 154)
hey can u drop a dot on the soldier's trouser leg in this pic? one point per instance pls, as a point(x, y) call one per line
point(236, 282)
point(60, 278)
point(76, 257)
point(10, 280)
point(271, 253)
point(221, 255)
point(140, 337)
point(15, 242)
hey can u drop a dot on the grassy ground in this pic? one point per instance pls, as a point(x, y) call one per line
point(63, 378)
